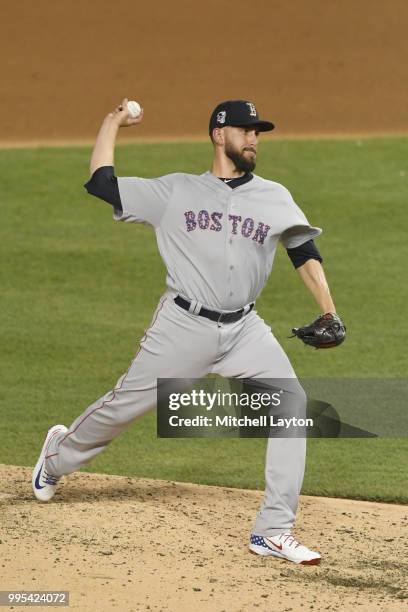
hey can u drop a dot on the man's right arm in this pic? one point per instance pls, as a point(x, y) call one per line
point(104, 149)
point(103, 182)
point(135, 199)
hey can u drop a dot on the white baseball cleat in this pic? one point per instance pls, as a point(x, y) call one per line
point(283, 546)
point(44, 484)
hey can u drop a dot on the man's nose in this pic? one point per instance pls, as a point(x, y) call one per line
point(252, 138)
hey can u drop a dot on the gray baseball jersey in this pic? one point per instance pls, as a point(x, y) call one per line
point(218, 243)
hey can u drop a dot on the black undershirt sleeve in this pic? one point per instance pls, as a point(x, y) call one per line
point(299, 255)
point(104, 185)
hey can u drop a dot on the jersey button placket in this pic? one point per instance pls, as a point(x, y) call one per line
point(229, 250)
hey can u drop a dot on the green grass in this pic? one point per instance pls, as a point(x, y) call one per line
point(77, 291)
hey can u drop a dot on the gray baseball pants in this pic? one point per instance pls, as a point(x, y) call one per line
point(179, 344)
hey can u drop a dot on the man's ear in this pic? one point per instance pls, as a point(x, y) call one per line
point(218, 136)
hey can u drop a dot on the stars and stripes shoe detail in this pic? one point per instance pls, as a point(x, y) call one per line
point(283, 546)
point(45, 484)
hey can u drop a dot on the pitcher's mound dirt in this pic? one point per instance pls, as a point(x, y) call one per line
point(134, 544)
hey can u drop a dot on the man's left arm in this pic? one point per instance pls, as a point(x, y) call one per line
point(312, 274)
point(328, 330)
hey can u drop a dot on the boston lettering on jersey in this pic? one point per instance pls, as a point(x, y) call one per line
point(246, 227)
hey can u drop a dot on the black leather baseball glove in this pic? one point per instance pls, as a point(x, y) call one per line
point(326, 331)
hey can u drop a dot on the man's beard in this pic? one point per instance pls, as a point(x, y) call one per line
point(241, 162)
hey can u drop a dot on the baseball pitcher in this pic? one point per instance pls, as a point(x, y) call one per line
point(217, 233)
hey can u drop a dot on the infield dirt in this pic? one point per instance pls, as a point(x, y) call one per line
point(134, 545)
point(311, 67)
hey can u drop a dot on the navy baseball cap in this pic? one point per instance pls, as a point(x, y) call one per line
point(238, 113)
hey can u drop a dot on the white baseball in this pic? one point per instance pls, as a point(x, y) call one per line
point(134, 109)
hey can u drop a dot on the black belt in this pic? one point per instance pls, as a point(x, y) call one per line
point(213, 315)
